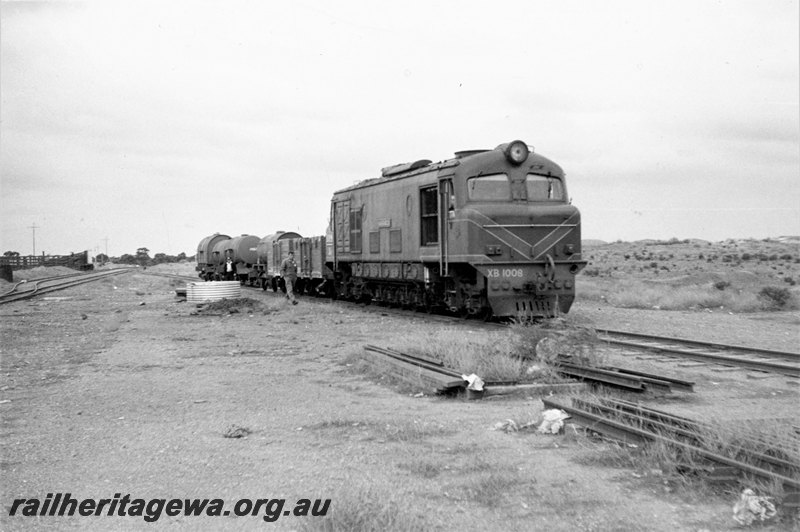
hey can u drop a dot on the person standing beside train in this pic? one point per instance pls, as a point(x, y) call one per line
point(229, 270)
point(289, 274)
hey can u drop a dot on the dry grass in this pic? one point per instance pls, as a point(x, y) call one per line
point(741, 440)
point(402, 432)
point(737, 275)
point(519, 353)
point(457, 475)
point(688, 472)
point(356, 362)
point(558, 338)
point(491, 489)
point(492, 356)
point(423, 468)
point(522, 353)
point(633, 293)
point(360, 507)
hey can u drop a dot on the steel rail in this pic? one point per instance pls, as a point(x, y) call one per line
point(180, 277)
point(61, 284)
point(612, 374)
point(685, 386)
point(755, 440)
point(628, 382)
point(626, 432)
point(786, 355)
point(792, 370)
point(24, 282)
point(692, 432)
point(445, 379)
point(425, 363)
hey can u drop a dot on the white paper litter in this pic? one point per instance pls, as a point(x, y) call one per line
point(475, 383)
point(552, 421)
point(750, 507)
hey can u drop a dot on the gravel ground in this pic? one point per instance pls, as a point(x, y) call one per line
point(117, 387)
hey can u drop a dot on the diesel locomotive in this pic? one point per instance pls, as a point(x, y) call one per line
point(487, 233)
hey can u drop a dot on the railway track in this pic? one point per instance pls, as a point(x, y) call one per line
point(631, 422)
point(187, 278)
point(36, 287)
point(626, 379)
point(765, 360)
point(424, 370)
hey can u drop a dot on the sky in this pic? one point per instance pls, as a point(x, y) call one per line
point(129, 124)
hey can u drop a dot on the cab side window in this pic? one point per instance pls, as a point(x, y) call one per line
point(429, 216)
point(355, 230)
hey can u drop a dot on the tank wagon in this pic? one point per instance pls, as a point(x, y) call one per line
point(243, 252)
point(206, 267)
point(489, 232)
point(214, 251)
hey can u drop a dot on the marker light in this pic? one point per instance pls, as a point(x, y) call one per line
point(517, 152)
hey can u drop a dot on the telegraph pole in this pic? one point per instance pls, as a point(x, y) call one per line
point(34, 227)
point(106, 241)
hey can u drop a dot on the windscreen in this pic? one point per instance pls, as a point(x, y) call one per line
point(493, 187)
point(544, 188)
point(496, 187)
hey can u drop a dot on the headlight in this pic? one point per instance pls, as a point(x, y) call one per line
point(517, 152)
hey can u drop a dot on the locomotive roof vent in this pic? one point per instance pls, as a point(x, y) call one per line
point(404, 167)
point(467, 153)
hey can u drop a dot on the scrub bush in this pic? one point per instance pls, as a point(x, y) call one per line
point(776, 298)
